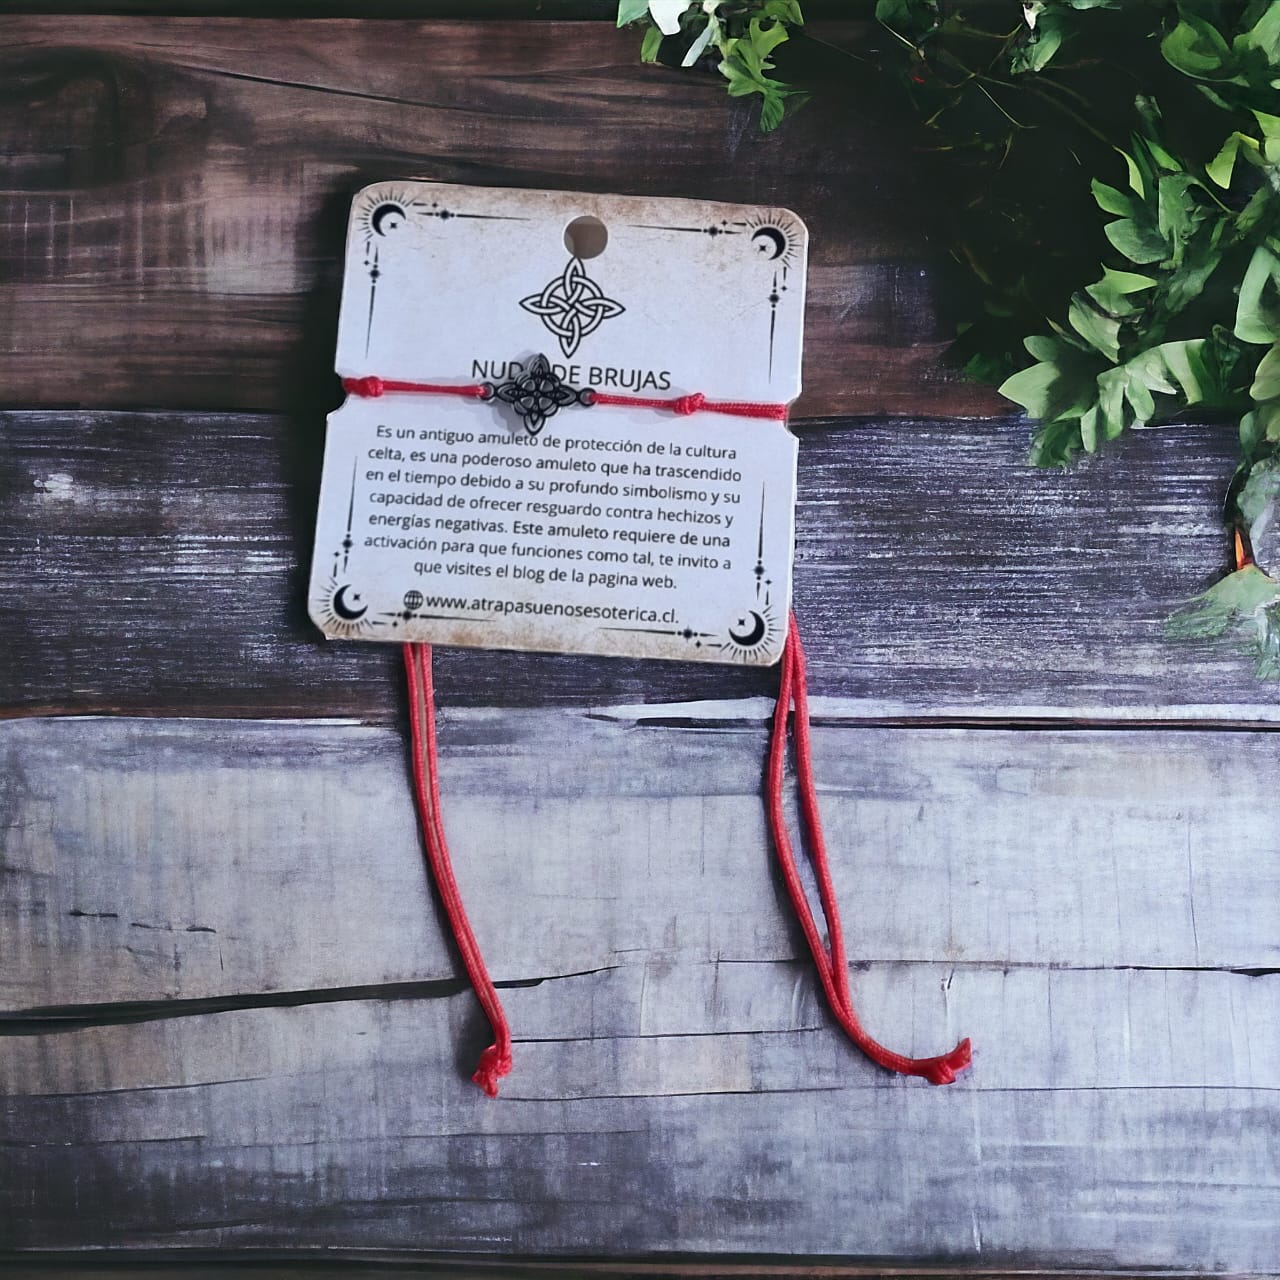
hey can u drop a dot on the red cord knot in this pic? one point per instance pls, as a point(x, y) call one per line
point(686, 405)
point(943, 1070)
point(370, 386)
point(493, 1065)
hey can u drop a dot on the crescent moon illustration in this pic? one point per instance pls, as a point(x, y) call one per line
point(769, 239)
point(754, 636)
point(378, 219)
point(344, 610)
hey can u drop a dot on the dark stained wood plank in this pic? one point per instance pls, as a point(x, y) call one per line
point(157, 861)
point(1126, 1120)
point(161, 558)
point(369, 1264)
point(377, 1264)
point(173, 195)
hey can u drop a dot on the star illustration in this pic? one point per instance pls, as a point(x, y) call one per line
point(572, 306)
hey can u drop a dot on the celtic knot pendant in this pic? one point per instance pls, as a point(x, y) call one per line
point(537, 393)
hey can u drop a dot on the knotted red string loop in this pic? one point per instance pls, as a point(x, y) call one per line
point(495, 1061)
point(371, 386)
point(830, 961)
point(696, 403)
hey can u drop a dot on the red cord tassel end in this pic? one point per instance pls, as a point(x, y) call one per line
point(493, 1065)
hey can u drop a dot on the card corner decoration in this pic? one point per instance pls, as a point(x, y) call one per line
point(386, 211)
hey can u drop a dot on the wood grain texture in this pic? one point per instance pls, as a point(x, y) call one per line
point(1128, 1143)
point(228, 1015)
point(153, 861)
point(162, 571)
point(301, 1263)
point(173, 195)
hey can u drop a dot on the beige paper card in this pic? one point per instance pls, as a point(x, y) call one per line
point(534, 519)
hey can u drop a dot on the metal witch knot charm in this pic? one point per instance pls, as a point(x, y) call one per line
point(537, 393)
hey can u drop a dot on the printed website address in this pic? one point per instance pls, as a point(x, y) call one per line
point(549, 609)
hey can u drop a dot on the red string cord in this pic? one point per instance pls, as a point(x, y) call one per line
point(832, 966)
point(697, 403)
point(373, 387)
point(830, 959)
point(495, 1061)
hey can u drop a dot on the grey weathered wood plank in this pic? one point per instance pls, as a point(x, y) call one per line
point(174, 193)
point(377, 1264)
point(161, 561)
point(1112, 1119)
point(181, 860)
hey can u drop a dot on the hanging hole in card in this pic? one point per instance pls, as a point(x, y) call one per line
point(586, 237)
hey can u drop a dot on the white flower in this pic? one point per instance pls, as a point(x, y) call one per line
point(666, 13)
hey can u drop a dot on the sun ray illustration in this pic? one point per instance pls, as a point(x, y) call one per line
point(774, 237)
point(342, 611)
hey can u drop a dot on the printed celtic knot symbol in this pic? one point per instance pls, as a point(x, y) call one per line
point(572, 306)
point(537, 394)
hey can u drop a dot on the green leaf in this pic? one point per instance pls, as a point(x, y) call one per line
point(1252, 216)
point(1035, 50)
point(772, 109)
point(1258, 309)
point(650, 45)
point(1251, 433)
point(1196, 48)
point(1056, 443)
point(1269, 124)
point(1136, 180)
point(1177, 212)
point(1186, 361)
point(632, 11)
point(1266, 381)
point(1221, 167)
point(903, 16)
point(1238, 597)
point(1089, 429)
point(700, 43)
point(1045, 348)
point(764, 40)
point(1264, 36)
point(1138, 243)
point(1060, 386)
point(1099, 330)
point(1257, 498)
point(1196, 262)
point(1112, 201)
point(1267, 644)
point(1112, 292)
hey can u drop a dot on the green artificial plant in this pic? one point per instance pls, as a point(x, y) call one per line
point(1119, 164)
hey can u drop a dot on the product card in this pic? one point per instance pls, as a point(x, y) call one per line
point(563, 432)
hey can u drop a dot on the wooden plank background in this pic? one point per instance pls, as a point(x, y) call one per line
point(229, 1018)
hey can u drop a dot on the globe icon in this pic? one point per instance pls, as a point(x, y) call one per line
point(412, 600)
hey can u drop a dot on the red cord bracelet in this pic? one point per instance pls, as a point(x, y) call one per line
point(537, 394)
